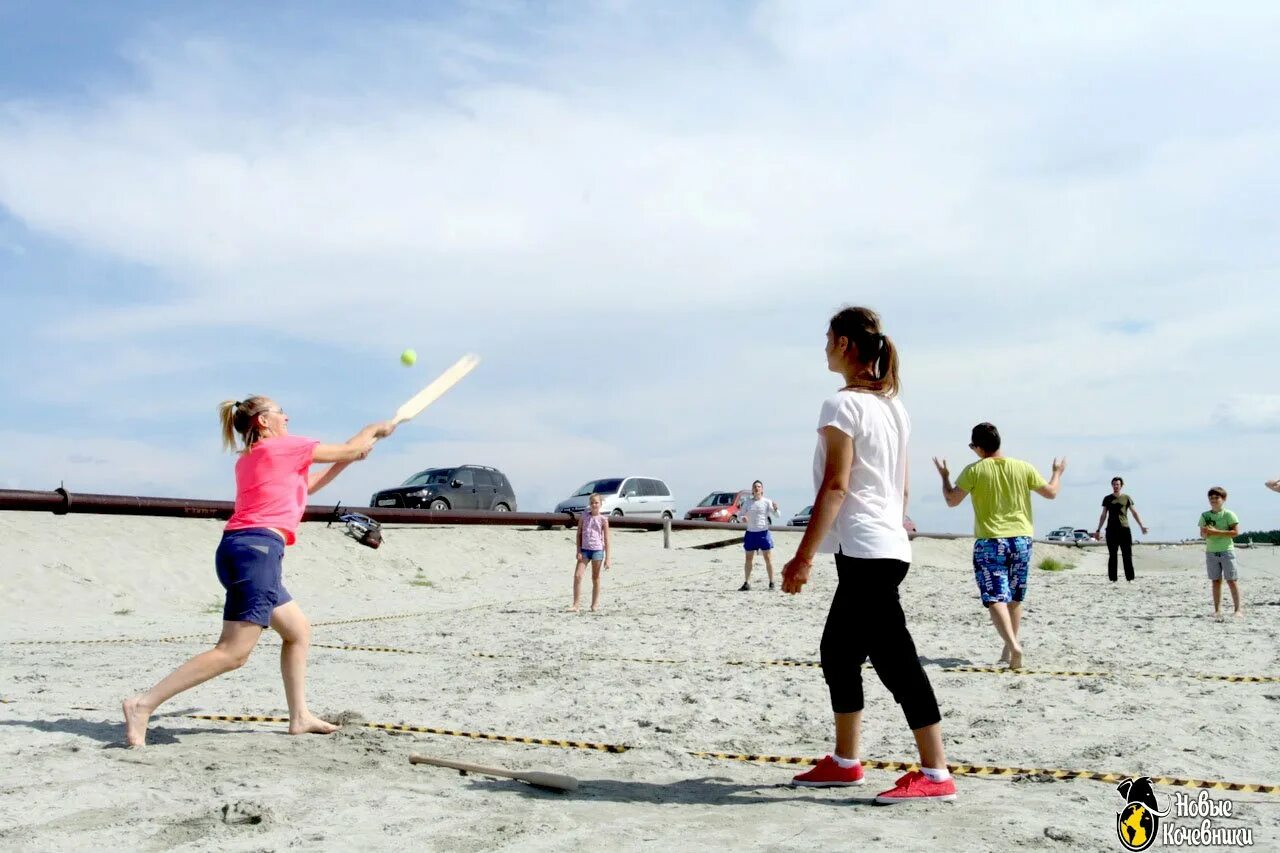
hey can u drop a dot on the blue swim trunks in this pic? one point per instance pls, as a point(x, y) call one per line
point(588, 554)
point(250, 568)
point(1000, 567)
point(757, 540)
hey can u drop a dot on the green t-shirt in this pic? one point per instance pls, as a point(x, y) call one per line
point(1117, 508)
point(1224, 520)
point(1001, 491)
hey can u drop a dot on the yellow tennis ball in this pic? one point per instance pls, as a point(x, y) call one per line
point(408, 357)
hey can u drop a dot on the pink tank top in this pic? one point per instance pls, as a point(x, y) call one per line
point(271, 485)
point(592, 531)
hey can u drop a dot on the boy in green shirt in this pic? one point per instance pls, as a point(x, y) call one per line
point(1219, 527)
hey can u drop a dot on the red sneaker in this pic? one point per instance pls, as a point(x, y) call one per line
point(916, 786)
point(828, 774)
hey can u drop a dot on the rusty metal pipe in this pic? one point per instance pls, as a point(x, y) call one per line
point(63, 501)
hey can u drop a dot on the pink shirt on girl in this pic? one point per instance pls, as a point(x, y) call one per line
point(592, 531)
point(271, 484)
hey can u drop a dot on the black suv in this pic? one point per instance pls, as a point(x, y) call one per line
point(464, 487)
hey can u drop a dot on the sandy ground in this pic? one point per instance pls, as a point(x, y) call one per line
point(498, 654)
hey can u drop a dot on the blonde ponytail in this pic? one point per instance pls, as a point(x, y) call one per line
point(239, 417)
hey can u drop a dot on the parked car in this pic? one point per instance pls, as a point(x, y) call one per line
point(719, 506)
point(801, 518)
point(1081, 535)
point(463, 487)
point(635, 496)
point(1061, 534)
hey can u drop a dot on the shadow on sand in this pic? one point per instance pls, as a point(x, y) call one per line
point(111, 732)
point(706, 790)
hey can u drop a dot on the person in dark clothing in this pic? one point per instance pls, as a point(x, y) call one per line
point(1116, 508)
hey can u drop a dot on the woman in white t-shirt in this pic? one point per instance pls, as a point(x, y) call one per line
point(860, 474)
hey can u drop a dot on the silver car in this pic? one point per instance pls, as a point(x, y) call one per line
point(640, 497)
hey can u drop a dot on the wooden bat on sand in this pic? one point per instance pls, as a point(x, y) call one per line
point(554, 781)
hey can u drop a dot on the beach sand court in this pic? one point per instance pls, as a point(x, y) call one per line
point(678, 662)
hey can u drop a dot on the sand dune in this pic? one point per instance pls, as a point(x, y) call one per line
point(490, 649)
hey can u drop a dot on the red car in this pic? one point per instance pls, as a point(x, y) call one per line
point(719, 506)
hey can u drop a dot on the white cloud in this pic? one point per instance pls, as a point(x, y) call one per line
point(1250, 412)
point(641, 216)
point(113, 465)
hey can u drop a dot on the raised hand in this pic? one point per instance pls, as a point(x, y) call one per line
point(1059, 465)
point(941, 465)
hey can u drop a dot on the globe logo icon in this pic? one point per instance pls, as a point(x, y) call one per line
point(1136, 826)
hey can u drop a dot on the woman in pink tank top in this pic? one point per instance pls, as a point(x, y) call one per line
point(273, 480)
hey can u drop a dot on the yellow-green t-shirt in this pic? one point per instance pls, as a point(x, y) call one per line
point(1001, 492)
point(1223, 520)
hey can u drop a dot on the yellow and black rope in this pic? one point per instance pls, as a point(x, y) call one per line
point(893, 766)
point(430, 730)
point(985, 770)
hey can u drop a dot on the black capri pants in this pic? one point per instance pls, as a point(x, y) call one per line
point(866, 621)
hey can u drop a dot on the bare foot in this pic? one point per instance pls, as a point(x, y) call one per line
point(311, 725)
point(595, 608)
point(135, 721)
point(1015, 659)
point(1239, 614)
point(1004, 655)
point(575, 609)
point(1217, 614)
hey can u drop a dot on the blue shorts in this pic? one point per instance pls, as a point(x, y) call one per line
point(1000, 566)
point(757, 540)
point(250, 568)
point(591, 555)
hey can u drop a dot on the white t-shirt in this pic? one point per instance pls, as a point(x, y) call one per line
point(869, 524)
point(757, 513)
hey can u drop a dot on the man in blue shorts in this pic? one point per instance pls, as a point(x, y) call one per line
point(1002, 529)
point(757, 509)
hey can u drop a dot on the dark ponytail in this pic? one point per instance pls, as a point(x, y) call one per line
point(869, 347)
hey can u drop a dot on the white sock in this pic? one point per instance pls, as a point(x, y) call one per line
point(846, 763)
point(936, 774)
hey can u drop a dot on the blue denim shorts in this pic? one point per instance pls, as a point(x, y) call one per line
point(250, 566)
point(1000, 567)
point(591, 555)
point(757, 540)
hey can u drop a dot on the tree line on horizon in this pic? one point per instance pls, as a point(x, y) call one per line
point(1271, 536)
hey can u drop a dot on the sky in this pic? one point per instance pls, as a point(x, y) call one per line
point(642, 215)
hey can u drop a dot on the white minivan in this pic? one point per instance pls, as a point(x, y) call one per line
point(642, 497)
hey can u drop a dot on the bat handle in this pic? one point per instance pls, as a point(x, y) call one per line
point(395, 422)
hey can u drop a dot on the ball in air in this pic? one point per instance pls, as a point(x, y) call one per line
point(408, 357)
